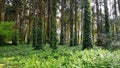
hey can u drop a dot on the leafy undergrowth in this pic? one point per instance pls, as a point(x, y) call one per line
point(23, 56)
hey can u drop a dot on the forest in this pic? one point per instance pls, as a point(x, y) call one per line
point(59, 33)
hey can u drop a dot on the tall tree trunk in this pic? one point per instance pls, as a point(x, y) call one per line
point(53, 33)
point(87, 39)
point(49, 21)
point(75, 28)
point(119, 5)
point(99, 40)
point(0, 10)
point(115, 16)
point(71, 24)
point(34, 32)
point(2, 7)
point(62, 35)
point(107, 23)
point(39, 25)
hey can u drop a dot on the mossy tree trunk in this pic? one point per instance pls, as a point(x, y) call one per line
point(87, 37)
point(39, 26)
point(53, 33)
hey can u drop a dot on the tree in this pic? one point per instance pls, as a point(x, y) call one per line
point(38, 25)
point(2, 7)
point(71, 23)
point(34, 32)
point(99, 30)
point(107, 23)
point(119, 5)
point(62, 35)
point(48, 21)
point(87, 38)
point(76, 20)
point(0, 10)
point(53, 33)
point(115, 16)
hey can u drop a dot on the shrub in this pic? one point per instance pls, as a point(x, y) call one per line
point(6, 31)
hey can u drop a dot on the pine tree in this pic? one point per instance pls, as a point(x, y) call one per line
point(87, 37)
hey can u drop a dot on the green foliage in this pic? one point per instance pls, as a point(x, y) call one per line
point(63, 57)
point(6, 30)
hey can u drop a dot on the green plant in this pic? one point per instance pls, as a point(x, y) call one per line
point(6, 31)
point(23, 56)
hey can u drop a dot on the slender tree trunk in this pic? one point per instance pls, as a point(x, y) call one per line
point(107, 23)
point(53, 37)
point(34, 32)
point(48, 23)
point(115, 16)
point(62, 35)
point(2, 7)
point(71, 24)
point(39, 25)
point(119, 5)
point(0, 10)
point(81, 28)
point(99, 40)
point(76, 20)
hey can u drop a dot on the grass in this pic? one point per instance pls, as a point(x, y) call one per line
point(23, 56)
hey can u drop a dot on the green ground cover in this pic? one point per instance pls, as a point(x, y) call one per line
point(23, 56)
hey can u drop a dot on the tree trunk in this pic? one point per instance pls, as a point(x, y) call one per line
point(75, 28)
point(62, 35)
point(71, 24)
point(107, 23)
point(53, 33)
point(87, 39)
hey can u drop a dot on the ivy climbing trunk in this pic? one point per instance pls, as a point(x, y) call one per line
point(87, 37)
point(39, 16)
point(53, 33)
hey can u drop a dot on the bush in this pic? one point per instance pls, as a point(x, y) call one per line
point(6, 31)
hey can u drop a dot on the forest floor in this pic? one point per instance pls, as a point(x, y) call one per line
point(23, 56)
